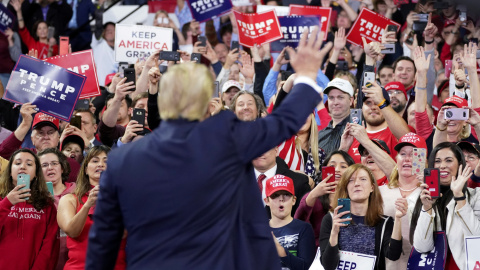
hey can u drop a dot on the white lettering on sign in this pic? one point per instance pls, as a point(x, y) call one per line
point(31, 80)
point(4, 18)
point(205, 5)
point(371, 30)
point(294, 32)
point(251, 29)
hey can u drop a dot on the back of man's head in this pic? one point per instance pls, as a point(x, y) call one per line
point(185, 91)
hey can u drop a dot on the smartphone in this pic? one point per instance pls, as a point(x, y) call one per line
point(342, 65)
point(139, 116)
point(51, 32)
point(286, 56)
point(422, 17)
point(448, 68)
point(346, 207)
point(440, 5)
point(419, 159)
point(196, 57)
point(50, 187)
point(169, 56)
point(328, 170)
point(419, 27)
point(432, 179)
point(129, 73)
point(203, 41)
point(463, 17)
point(368, 77)
point(410, 38)
point(457, 114)
point(235, 45)
point(356, 116)
point(76, 121)
point(24, 179)
point(216, 89)
point(82, 104)
point(121, 67)
point(389, 48)
point(63, 45)
point(392, 28)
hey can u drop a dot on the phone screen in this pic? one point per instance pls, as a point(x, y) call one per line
point(346, 207)
point(76, 121)
point(356, 116)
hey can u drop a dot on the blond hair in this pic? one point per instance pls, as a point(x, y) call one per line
point(185, 91)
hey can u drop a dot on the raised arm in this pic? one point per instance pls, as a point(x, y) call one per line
point(469, 61)
point(68, 219)
point(110, 115)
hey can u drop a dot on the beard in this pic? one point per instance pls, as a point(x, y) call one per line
point(399, 108)
point(377, 121)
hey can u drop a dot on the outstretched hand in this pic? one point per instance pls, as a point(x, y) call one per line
point(306, 60)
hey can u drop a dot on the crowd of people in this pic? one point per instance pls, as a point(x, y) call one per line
point(327, 181)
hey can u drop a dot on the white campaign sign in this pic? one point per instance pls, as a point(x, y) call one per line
point(132, 40)
point(472, 248)
point(355, 261)
point(279, 10)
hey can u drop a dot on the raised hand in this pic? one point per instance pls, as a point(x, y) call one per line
point(131, 131)
point(469, 57)
point(458, 183)
point(122, 89)
point(306, 61)
point(17, 196)
point(421, 63)
point(340, 40)
point(374, 92)
point(459, 73)
point(246, 68)
point(26, 111)
point(401, 207)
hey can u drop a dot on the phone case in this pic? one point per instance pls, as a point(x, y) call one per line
point(392, 28)
point(129, 73)
point(76, 121)
point(235, 45)
point(356, 116)
point(216, 89)
point(432, 179)
point(50, 188)
point(328, 170)
point(169, 56)
point(63, 45)
point(419, 159)
point(448, 68)
point(389, 48)
point(139, 116)
point(368, 77)
point(346, 207)
point(203, 41)
point(457, 114)
point(24, 179)
point(196, 57)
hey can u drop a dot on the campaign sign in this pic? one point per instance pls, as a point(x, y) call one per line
point(204, 10)
point(239, 3)
point(257, 28)
point(357, 261)
point(370, 25)
point(292, 27)
point(472, 246)
point(323, 12)
point(54, 89)
point(81, 63)
point(6, 18)
point(132, 40)
point(433, 260)
point(279, 10)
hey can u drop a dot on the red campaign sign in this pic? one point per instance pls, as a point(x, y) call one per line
point(323, 12)
point(257, 28)
point(369, 25)
point(81, 63)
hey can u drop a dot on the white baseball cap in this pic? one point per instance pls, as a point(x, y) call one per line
point(340, 84)
point(231, 83)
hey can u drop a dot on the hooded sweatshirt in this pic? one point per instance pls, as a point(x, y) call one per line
point(28, 238)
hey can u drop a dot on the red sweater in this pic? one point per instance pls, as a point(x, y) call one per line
point(31, 43)
point(28, 238)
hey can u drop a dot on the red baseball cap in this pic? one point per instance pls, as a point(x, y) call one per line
point(396, 86)
point(411, 139)
point(42, 119)
point(457, 101)
point(108, 79)
point(277, 183)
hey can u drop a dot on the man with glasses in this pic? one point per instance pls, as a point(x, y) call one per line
point(45, 134)
point(398, 97)
point(471, 152)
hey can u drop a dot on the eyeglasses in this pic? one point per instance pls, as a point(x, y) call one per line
point(48, 134)
point(394, 92)
point(53, 164)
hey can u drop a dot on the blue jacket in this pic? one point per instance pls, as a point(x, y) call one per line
point(187, 193)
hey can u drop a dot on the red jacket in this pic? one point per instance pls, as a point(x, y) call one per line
point(31, 43)
point(28, 238)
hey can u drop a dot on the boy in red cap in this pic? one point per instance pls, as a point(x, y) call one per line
point(293, 238)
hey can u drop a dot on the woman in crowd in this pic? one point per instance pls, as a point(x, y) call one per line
point(28, 228)
point(453, 212)
point(162, 20)
point(75, 210)
point(369, 231)
point(46, 47)
point(56, 169)
point(316, 204)
point(403, 184)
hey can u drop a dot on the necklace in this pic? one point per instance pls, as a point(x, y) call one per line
point(407, 190)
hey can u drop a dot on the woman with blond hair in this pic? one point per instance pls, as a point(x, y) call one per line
point(368, 231)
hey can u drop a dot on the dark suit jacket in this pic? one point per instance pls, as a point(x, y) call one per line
point(187, 193)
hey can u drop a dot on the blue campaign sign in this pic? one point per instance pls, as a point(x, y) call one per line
point(433, 260)
point(55, 90)
point(204, 10)
point(6, 18)
point(292, 27)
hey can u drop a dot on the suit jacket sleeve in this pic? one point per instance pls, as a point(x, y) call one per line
point(252, 139)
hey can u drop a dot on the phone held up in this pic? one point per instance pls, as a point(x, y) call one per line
point(24, 179)
point(432, 179)
point(139, 116)
point(346, 207)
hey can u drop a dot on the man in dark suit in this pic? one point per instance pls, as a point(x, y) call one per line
point(186, 194)
point(268, 165)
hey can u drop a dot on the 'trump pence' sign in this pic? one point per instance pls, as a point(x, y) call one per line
point(54, 89)
point(322, 12)
point(204, 10)
point(6, 18)
point(131, 40)
point(82, 63)
point(257, 28)
point(292, 28)
point(369, 25)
